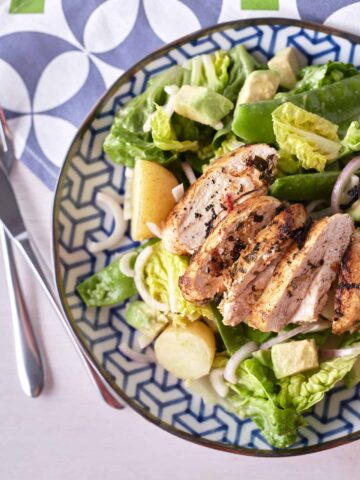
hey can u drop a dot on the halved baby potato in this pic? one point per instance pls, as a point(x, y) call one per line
point(152, 198)
point(187, 352)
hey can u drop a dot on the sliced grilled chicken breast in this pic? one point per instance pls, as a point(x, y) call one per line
point(347, 294)
point(318, 292)
point(257, 262)
point(228, 181)
point(204, 278)
point(325, 244)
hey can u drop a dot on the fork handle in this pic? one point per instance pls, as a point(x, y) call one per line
point(104, 391)
point(28, 359)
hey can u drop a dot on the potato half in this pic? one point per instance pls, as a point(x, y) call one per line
point(152, 198)
point(187, 352)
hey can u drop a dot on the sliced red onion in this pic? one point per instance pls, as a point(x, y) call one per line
point(178, 192)
point(128, 193)
point(124, 264)
point(189, 172)
point(143, 340)
point(115, 238)
point(314, 204)
point(217, 382)
point(154, 229)
point(244, 352)
point(321, 213)
point(148, 357)
point(342, 182)
point(306, 328)
point(140, 284)
point(331, 353)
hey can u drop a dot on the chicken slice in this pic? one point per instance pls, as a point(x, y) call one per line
point(204, 278)
point(257, 262)
point(347, 294)
point(231, 179)
point(325, 244)
point(317, 295)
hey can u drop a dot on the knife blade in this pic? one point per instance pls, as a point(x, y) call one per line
point(11, 218)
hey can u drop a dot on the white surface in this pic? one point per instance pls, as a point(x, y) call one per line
point(68, 433)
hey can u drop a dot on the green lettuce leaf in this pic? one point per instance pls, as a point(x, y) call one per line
point(161, 276)
point(254, 396)
point(351, 141)
point(124, 146)
point(311, 138)
point(208, 70)
point(230, 143)
point(316, 76)
point(127, 139)
point(287, 164)
point(164, 136)
point(137, 111)
point(241, 64)
point(303, 390)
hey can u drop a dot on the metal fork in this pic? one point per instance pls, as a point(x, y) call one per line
point(28, 359)
point(6, 161)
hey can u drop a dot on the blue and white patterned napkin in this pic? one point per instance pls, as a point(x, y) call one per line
point(55, 63)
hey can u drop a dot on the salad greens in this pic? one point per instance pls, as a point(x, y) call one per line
point(164, 136)
point(316, 76)
point(161, 276)
point(255, 396)
point(209, 71)
point(311, 138)
point(336, 102)
point(194, 113)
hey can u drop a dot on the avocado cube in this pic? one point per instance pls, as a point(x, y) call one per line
point(294, 357)
point(201, 105)
point(285, 62)
point(259, 85)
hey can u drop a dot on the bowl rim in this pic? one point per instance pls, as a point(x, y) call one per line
point(69, 321)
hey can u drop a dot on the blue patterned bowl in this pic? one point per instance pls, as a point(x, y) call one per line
point(149, 389)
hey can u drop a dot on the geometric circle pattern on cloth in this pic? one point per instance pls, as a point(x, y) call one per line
point(77, 220)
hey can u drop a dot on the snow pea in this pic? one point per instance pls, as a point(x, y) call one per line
point(106, 287)
point(109, 286)
point(303, 187)
point(338, 102)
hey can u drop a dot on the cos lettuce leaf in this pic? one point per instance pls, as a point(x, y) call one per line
point(164, 136)
point(351, 141)
point(254, 396)
point(241, 65)
point(303, 390)
point(124, 146)
point(127, 139)
point(311, 138)
point(208, 70)
point(230, 143)
point(316, 76)
point(161, 276)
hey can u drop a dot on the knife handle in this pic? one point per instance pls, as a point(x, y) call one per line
point(28, 359)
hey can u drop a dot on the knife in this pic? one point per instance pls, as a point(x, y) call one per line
point(13, 223)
